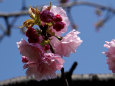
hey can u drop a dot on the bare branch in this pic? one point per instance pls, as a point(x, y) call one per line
point(13, 14)
point(66, 5)
point(75, 3)
point(1, 0)
point(2, 28)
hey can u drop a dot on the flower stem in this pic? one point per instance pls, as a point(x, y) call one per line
point(51, 48)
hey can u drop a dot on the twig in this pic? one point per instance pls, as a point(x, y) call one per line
point(73, 68)
point(2, 28)
point(63, 77)
point(71, 18)
point(8, 26)
point(24, 5)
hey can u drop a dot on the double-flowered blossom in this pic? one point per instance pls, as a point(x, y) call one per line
point(42, 54)
point(67, 45)
point(110, 54)
point(39, 64)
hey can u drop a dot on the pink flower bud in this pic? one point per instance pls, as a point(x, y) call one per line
point(24, 59)
point(46, 47)
point(47, 16)
point(57, 18)
point(58, 26)
point(30, 32)
point(32, 35)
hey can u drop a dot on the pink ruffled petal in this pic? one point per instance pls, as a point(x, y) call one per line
point(67, 45)
point(46, 69)
point(31, 50)
point(110, 54)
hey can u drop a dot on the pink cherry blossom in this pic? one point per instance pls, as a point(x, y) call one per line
point(39, 64)
point(31, 50)
point(46, 69)
point(59, 11)
point(110, 54)
point(67, 45)
point(24, 59)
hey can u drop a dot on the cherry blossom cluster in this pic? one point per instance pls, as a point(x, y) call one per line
point(42, 53)
point(110, 54)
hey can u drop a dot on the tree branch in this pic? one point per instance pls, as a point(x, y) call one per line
point(92, 4)
point(13, 14)
point(66, 5)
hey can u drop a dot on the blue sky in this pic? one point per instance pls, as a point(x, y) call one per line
point(88, 55)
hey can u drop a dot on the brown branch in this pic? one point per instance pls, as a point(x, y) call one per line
point(63, 77)
point(1, 0)
point(67, 5)
point(24, 5)
point(73, 68)
point(8, 26)
point(13, 14)
point(92, 4)
point(2, 28)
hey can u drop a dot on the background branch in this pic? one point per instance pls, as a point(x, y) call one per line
point(92, 4)
point(66, 5)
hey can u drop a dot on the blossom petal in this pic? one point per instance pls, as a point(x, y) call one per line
point(110, 54)
point(67, 45)
point(31, 50)
point(46, 69)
